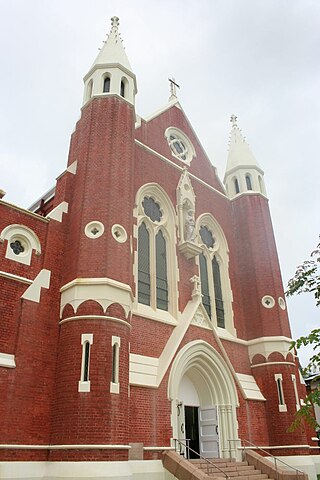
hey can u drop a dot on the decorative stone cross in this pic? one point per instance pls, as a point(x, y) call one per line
point(233, 120)
point(173, 86)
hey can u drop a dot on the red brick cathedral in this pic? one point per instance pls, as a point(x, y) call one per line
point(141, 299)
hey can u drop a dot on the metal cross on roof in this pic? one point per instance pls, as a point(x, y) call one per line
point(173, 86)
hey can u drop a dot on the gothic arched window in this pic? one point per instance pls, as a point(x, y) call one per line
point(156, 260)
point(152, 256)
point(213, 272)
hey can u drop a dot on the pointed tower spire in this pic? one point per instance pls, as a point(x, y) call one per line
point(111, 72)
point(243, 173)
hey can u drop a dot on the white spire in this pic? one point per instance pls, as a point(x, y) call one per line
point(239, 150)
point(113, 50)
point(243, 173)
point(111, 72)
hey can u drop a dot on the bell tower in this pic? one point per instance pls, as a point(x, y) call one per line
point(91, 405)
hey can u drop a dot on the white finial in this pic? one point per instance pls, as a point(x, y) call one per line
point(115, 22)
point(233, 120)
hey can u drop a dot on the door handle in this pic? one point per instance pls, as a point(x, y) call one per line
point(182, 428)
point(217, 432)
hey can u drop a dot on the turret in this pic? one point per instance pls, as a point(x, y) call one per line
point(111, 72)
point(243, 174)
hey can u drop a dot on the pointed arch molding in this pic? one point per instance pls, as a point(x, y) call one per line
point(220, 250)
point(167, 225)
point(203, 356)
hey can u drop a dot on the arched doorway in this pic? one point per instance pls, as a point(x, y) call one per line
point(204, 400)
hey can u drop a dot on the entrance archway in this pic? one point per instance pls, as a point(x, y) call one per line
point(200, 379)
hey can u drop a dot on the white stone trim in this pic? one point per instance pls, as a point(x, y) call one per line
point(91, 227)
point(95, 317)
point(28, 239)
point(58, 211)
point(119, 233)
point(85, 446)
point(178, 167)
point(221, 251)
point(24, 210)
point(105, 291)
point(268, 301)
point(7, 360)
point(16, 278)
point(278, 380)
point(190, 152)
point(267, 345)
point(84, 385)
point(72, 168)
point(167, 225)
point(296, 395)
point(33, 292)
point(115, 386)
point(272, 363)
point(250, 387)
point(143, 370)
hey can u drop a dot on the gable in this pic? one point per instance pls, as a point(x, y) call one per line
point(152, 133)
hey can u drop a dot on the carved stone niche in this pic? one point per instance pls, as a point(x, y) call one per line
point(186, 217)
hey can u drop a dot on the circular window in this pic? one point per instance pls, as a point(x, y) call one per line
point(119, 233)
point(94, 229)
point(19, 245)
point(268, 301)
point(180, 145)
point(282, 303)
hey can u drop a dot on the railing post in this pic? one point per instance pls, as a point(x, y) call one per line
point(276, 467)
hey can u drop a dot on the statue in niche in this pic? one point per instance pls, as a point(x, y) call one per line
point(189, 226)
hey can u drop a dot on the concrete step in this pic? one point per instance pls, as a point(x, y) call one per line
point(258, 476)
point(236, 474)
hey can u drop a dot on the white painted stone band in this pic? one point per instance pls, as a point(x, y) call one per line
point(65, 447)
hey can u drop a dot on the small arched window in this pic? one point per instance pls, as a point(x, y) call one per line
point(236, 186)
point(86, 362)
point(106, 85)
point(248, 182)
point(122, 89)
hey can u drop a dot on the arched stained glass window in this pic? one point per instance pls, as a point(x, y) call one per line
point(143, 265)
point(248, 182)
point(106, 85)
point(161, 272)
point(205, 284)
point(218, 293)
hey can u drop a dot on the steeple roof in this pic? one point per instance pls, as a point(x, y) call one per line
point(113, 50)
point(239, 150)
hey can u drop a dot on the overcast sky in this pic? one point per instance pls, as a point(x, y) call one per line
point(257, 59)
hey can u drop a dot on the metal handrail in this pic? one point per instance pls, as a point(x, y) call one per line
point(189, 449)
point(276, 459)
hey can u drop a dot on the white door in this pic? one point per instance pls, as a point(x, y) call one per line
point(209, 432)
